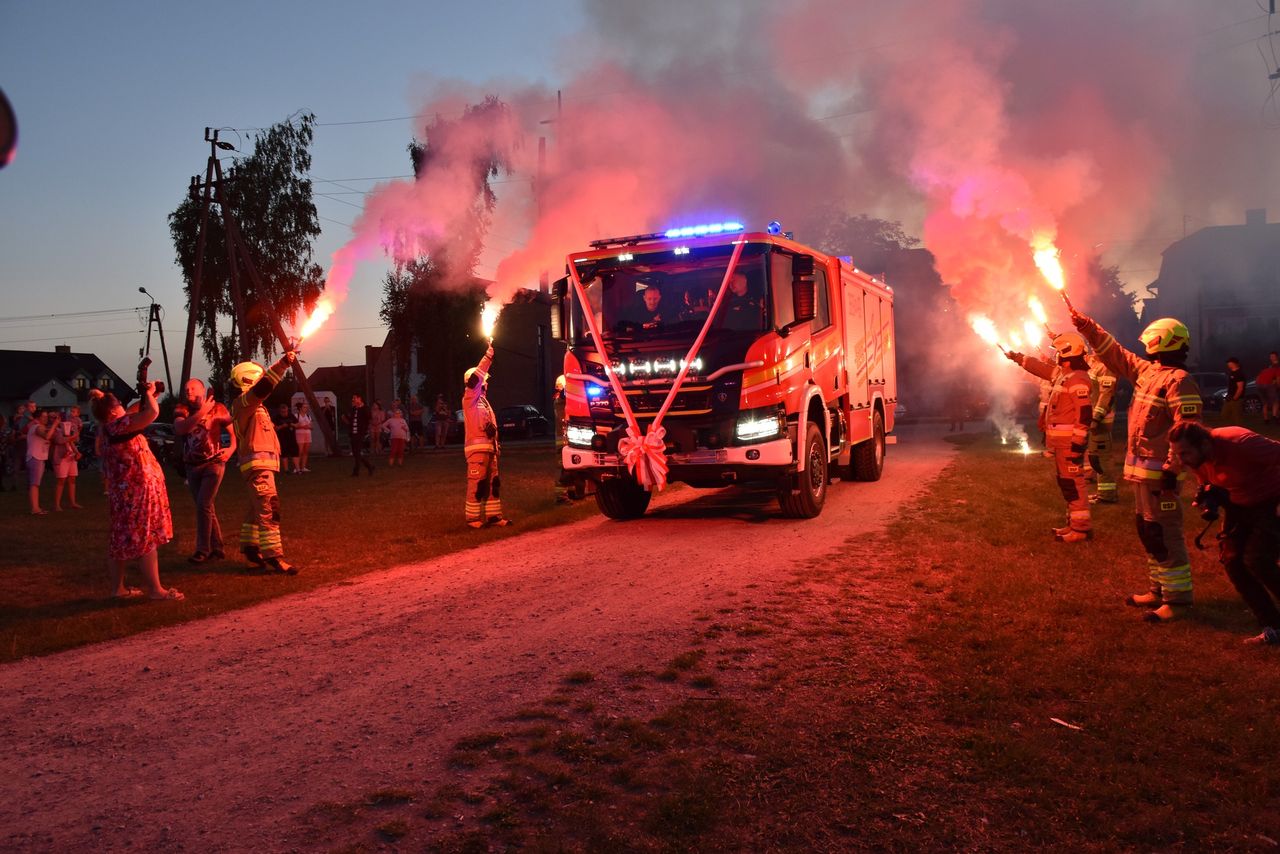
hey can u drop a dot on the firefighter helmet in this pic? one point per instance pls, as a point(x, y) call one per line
point(1165, 336)
point(1069, 344)
point(560, 383)
point(245, 374)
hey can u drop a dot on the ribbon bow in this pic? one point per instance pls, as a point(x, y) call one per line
point(646, 456)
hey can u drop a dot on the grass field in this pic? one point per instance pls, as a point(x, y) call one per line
point(53, 594)
point(960, 681)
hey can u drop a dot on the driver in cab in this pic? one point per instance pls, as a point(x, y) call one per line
point(741, 310)
point(648, 310)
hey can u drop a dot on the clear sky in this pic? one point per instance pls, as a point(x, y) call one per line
point(112, 101)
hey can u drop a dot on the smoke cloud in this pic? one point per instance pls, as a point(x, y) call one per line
point(989, 127)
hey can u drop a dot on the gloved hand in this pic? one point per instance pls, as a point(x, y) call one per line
point(1168, 480)
point(1082, 322)
point(1077, 450)
point(1014, 356)
point(1076, 460)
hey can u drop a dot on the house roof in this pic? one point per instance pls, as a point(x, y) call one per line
point(24, 371)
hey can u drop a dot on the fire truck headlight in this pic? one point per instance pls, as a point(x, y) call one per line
point(579, 436)
point(754, 426)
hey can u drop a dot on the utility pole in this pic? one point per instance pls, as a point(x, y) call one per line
point(205, 191)
point(154, 317)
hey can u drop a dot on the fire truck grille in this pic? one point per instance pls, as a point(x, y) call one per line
point(692, 400)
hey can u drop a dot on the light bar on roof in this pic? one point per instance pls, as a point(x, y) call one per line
point(704, 230)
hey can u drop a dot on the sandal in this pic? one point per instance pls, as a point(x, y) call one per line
point(129, 593)
point(170, 595)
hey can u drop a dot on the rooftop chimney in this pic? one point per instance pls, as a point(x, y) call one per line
point(62, 348)
point(1255, 217)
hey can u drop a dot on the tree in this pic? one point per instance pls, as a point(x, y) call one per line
point(441, 322)
point(1111, 305)
point(433, 301)
point(270, 196)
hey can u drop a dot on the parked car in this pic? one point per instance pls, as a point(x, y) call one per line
point(523, 421)
point(163, 441)
point(1214, 400)
point(1209, 382)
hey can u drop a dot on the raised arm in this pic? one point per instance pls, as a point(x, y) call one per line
point(1118, 360)
point(1032, 365)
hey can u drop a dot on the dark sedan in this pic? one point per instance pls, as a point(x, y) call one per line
point(524, 421)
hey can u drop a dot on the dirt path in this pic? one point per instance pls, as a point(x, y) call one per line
point(217, 734)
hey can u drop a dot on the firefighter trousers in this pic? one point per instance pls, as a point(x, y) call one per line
point(484, 502)
point(261, 527)
point(1069, 469)
point(1158, 516)
point(1099, 445)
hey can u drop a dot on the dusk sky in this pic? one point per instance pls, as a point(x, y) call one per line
point(1151, 117)
point(112, 101)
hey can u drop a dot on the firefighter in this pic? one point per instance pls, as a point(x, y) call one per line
point(558, 407)
point(483, 504)
point(1163, 395)
point(1100, 430)
point(1067, 417)
point(259, 458)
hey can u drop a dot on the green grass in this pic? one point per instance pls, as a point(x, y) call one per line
point(335, 527)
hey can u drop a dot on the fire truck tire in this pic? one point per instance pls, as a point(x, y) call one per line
point(868, 457)
point(806, 501)
point(622, 498)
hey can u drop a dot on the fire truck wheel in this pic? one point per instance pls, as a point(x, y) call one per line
point(622, 498)
point(868, 458)
point(806, 500)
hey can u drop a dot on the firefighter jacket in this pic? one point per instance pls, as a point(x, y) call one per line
point(1104, 407)
point(1069, 409)
point(255, 434)
point(477, 415)
point(1163, 395)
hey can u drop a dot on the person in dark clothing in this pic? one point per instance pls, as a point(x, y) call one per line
point(741, 310)
point(1233, 406)
point(1243, 468)
point(358, 422)
point(330, 414)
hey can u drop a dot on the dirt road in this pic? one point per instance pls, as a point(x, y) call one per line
point(217, 734)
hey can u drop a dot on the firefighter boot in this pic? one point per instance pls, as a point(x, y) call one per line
point(1150, 599)
point(1165, 613)
point(1074, 536)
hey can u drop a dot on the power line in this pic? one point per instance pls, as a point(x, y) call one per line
point(71, 337)
point(334, 221)
point(76, 313)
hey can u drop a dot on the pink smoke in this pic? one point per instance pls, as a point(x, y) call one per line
point(988, 125)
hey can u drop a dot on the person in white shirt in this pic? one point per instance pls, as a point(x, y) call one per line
point(39, 437)
point(398, 429)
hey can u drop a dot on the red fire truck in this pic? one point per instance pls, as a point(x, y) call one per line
point(794, 384)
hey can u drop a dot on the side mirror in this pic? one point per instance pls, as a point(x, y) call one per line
point(802, 291)
point(559, 326)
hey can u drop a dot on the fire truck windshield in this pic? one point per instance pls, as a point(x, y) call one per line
point(668, 294)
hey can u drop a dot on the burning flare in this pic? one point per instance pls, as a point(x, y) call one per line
point(1032, 332)
point(322, 311)
point(1037, 310)
point(1047, 260)
point(985, 328)
point(489, 318)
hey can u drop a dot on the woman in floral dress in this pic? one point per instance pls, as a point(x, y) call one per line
point(136, 494)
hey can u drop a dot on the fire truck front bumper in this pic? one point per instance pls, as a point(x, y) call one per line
point(704, 465)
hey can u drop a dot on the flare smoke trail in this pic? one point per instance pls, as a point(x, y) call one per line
point(993, 127)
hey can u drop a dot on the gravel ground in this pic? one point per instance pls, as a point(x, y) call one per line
point(219, 734)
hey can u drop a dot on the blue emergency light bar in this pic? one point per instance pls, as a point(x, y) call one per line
point(704, 230)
